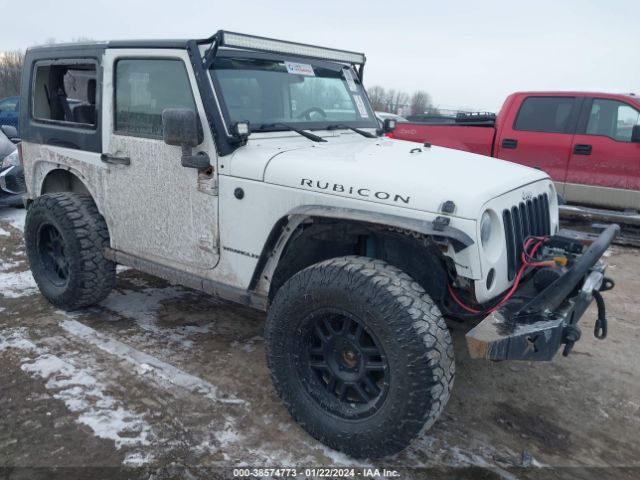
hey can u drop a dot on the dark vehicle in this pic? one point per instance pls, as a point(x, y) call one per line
point(10, 111)
point(12, 185)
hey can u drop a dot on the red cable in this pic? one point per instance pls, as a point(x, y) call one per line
point(525, 264)
point(460, 304)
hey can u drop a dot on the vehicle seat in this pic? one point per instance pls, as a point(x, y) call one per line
point(87, 113)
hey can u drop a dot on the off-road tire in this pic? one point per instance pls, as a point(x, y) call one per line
point(404, 320)
point(84, 236)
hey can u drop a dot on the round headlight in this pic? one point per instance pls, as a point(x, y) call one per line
point(485, 228)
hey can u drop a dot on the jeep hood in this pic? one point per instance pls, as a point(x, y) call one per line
point(396, 172)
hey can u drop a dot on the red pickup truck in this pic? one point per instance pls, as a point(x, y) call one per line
point(588, 143)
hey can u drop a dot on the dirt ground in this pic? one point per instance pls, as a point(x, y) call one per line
point(173, 383)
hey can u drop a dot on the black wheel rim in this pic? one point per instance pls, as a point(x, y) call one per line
point(342, 364)
point(53, 256)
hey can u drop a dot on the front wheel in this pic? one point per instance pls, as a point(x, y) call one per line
point(360, 355)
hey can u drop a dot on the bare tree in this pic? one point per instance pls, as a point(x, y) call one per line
point(389, 97)
point(10, 72)
point(377, 95)
point(398, 101)
point(11, 67)
point(82, 39)
point(402, 99)
point(395, 99)
point(420, 101)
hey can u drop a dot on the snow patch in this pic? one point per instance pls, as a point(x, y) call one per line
point(16, 338)
point(3, 232)
point(249, 345)
point(339, 459)
point(161, 372)
point(4, 266)
point(142, 306)
point(17, 284)
point(14, 217)
point(136, 459)
point(465, 459)
point(81, 392)
point(228, 436)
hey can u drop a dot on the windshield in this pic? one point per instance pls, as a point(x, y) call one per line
point(303, 95)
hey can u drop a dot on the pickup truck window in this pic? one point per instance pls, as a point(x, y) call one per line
point(611, 118)
point(144, 88)
point(305, 95)
point(544, 114)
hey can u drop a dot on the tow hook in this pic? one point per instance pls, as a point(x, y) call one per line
point(600, 329)
point(607, 284)
point(570, 335)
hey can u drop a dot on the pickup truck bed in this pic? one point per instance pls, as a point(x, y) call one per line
point(588, 143)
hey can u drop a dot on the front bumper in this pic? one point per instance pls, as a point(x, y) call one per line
point(532, 325)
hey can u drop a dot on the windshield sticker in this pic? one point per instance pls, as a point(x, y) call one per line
point(300, 68)
point(361, 108)
point(348, 76)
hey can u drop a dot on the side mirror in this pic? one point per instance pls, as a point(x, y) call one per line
point(635, 134)
point(181, 126)
point(11, 132)
point(389, 125)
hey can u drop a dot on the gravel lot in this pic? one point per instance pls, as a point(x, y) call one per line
point(175, 382)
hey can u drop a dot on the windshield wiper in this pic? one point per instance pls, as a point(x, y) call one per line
point(353, 129)
point(308, 135)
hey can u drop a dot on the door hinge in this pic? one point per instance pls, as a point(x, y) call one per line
point(208, 184)
point(207, 243)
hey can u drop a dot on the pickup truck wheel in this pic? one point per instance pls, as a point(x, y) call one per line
point(65, 237)
point(360, 355)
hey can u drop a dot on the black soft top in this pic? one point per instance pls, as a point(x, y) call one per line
point(51, 50)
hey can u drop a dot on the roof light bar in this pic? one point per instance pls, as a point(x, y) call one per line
point(250, 42)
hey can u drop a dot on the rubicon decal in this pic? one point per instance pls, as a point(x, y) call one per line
point(355, 191)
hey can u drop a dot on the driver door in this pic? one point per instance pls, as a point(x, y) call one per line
point(158, 209)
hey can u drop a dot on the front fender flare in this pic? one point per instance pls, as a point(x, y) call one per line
point(284, 228)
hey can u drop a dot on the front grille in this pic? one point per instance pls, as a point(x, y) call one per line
point(529, 218)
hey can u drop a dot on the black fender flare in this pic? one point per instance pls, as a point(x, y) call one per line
point(285, 226)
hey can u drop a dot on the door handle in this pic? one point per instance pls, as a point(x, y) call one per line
point(581, 149)
point(509, 143)
point(108, 158)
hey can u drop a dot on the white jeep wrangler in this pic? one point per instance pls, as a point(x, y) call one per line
point(254, 169)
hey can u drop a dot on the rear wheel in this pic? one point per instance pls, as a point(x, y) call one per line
point(359, 354)
point(65, 237)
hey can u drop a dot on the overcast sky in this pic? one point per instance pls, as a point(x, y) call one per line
point(464, 53)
